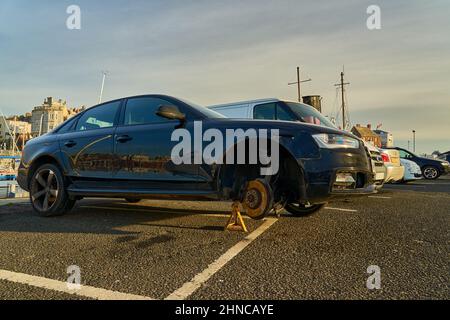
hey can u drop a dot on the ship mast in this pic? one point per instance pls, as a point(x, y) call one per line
point(14, 146)
point(342, 85)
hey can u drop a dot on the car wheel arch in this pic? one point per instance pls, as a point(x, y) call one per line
point(227, 187)
point(39, 161)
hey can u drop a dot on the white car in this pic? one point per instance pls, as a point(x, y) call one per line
point(412, 170)
point(378, 167)
point(395, 171)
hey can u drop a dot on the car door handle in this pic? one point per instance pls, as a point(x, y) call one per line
point(123, 138)
point(70, 144)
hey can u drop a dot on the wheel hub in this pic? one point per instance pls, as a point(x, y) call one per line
point(44, 189)
point(253, 198)
point(257, 199)
point(430, 172)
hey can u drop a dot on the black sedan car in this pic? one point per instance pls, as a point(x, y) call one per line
point(431, 168)
point(124, 149)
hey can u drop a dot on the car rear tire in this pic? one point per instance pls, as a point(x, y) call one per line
point(430, 173)
point(130, 200)
point(48, 194)
point(301, 210)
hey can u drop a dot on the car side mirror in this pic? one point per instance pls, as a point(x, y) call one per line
point(170, 112)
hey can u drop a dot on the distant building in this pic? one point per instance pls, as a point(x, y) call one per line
point(367, 134)
point(49, 115)
point(387, 139)
point(25, 117)
point(11, 129)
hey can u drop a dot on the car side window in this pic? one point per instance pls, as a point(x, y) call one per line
point(66, 126)
point(99, 117)
point(143, 111)
point(404, 154)
point(283, 114)
point(264, 111)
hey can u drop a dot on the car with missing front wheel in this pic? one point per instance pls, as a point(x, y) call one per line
point(124, 149)
point(285, 110)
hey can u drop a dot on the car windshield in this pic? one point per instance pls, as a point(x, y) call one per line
point(309, 114)
point(208, 113)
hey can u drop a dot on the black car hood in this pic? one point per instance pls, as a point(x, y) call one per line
point(276, 124)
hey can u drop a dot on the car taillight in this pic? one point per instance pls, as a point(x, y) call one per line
point(385, 157)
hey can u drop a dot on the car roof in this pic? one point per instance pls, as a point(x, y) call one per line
point(252, 102)
point(244, 102)
point(155, 95)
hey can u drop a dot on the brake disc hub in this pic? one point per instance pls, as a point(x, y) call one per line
point(257, 200)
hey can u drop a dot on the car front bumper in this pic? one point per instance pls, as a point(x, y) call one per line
point(22, 178)
point(321, 175)
point(412, 173)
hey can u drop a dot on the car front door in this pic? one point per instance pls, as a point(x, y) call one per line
point(143, 143)
point(87, 148)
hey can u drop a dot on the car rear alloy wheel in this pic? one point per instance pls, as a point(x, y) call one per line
point(430, 173)
point(299, 210)
point(47, 193)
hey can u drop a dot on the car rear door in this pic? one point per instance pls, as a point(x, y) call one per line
point(87, 148)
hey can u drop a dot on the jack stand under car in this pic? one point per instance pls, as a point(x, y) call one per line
point(236, 222)
point(257, 201)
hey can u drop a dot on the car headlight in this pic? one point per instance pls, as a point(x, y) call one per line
point(335, 141)
point(445, 163)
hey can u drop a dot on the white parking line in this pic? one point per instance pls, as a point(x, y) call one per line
point(191, 286)
point(55, 285)
point(380, 197)
point(341, 209)
point(405, 185)
point(435, 183)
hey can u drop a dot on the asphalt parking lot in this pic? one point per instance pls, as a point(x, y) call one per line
point(178, 250)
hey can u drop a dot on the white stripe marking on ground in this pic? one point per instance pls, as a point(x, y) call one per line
point(341, 209)
point(435, 184)
point(404, 185)
point(380, 197)
point(191, 286)
point(55, 285)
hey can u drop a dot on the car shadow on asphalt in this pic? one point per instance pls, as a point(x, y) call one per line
point(107, 218)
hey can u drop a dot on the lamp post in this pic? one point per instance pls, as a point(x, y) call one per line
point(40, 124)
point(104, 73)
point(414, 140)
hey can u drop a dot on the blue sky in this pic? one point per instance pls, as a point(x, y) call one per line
point(222, 51)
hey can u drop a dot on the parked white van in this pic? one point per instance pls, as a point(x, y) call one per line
point(273, 109)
